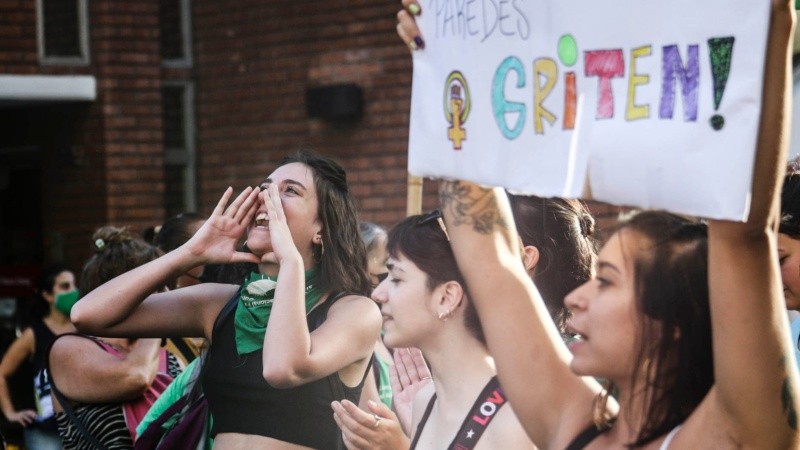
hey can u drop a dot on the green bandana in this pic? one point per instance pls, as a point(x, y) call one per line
point(255, 306)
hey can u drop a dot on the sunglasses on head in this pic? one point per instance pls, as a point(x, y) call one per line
point(435, 215)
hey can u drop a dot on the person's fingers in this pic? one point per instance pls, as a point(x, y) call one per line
point(382, 410)
point(394, 379)
point(402, 371)
point(364, 418)
point(419, 363)
point(350, 426)
point(408, 31)
point(275, 197)
point(237, 202)
point(410, 365)
point(251, 211)
point(412, 6)
point(220, 208)
point(247, 205)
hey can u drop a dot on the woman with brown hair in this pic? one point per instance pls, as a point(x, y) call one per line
point(99, 376)
point(295, 336)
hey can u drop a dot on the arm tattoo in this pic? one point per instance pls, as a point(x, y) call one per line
point(471, 205)
point(787, 399)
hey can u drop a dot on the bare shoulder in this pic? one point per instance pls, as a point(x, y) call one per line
point(70, 350)
point(357, 306)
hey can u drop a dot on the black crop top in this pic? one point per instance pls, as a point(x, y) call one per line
point(241, 401)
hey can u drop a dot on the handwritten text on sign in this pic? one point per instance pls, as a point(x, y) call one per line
point(656, 104)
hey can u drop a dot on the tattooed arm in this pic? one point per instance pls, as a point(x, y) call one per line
point(520, 334)
point(756, 381)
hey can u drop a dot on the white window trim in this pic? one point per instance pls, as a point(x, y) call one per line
point(186, 34)
point(83, 38)
point(187, 156)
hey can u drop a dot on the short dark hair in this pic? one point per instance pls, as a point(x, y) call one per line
point(562, 230)
point(671, 288)
point(343, 263)
point(426, 245)
point(176, 231)
point(116, 251)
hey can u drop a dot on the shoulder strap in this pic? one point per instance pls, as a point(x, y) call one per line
point(225, 312)
point(63, 401)
point(490, 400)
point(422, 421)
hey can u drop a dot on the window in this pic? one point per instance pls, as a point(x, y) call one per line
point(176, 37)
point(62, 28)
point(177, 99)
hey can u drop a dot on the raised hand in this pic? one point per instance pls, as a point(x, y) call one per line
point(216, 240)
point(408, 375)
point(407, 27)
point(377, 428)
point(280, 235)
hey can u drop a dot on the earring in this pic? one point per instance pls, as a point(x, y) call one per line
point(321, 247)
point(601, 417)
point(443, 316)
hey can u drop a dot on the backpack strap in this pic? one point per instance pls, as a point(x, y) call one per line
point(63, 401)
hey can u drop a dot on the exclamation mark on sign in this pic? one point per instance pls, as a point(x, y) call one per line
point(720, 50)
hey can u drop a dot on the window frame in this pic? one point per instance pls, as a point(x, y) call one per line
point(186, 156)
point(186, 34)
point(83, 37)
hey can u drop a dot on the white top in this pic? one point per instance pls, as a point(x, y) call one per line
point(668, 440)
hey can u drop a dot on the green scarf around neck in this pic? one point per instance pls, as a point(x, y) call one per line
point(255, 306)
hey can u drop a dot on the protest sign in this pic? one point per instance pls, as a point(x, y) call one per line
point(655, 104)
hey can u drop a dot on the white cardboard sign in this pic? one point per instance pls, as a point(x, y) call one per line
point(656, 104)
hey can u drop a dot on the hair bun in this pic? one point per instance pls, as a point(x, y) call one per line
point(587, 225)
point(108, 235)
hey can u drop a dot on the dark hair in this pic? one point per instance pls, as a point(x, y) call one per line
point(562, 231)
point(790, 202)
point(176, 231)
point(427, 246)
point(116, 251)
point(45, 282)
point(343, 263)
point(671, 285)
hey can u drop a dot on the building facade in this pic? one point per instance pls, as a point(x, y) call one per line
point(125, 113)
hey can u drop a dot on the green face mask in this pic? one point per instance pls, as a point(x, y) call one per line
point(66, 300)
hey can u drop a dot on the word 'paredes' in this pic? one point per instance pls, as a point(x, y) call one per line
point(481, 19)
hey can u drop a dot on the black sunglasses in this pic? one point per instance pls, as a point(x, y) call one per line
point(430, 217)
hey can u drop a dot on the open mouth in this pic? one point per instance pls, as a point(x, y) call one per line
point(261, 221)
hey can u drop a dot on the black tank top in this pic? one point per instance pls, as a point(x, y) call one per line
point(43, 337)
point(241, 401)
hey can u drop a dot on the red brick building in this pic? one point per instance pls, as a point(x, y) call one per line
point(127, 112)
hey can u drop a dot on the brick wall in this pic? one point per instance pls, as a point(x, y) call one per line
point(254, 62)
point(101, 163)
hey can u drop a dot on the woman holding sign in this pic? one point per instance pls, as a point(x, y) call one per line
point(686, 320)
